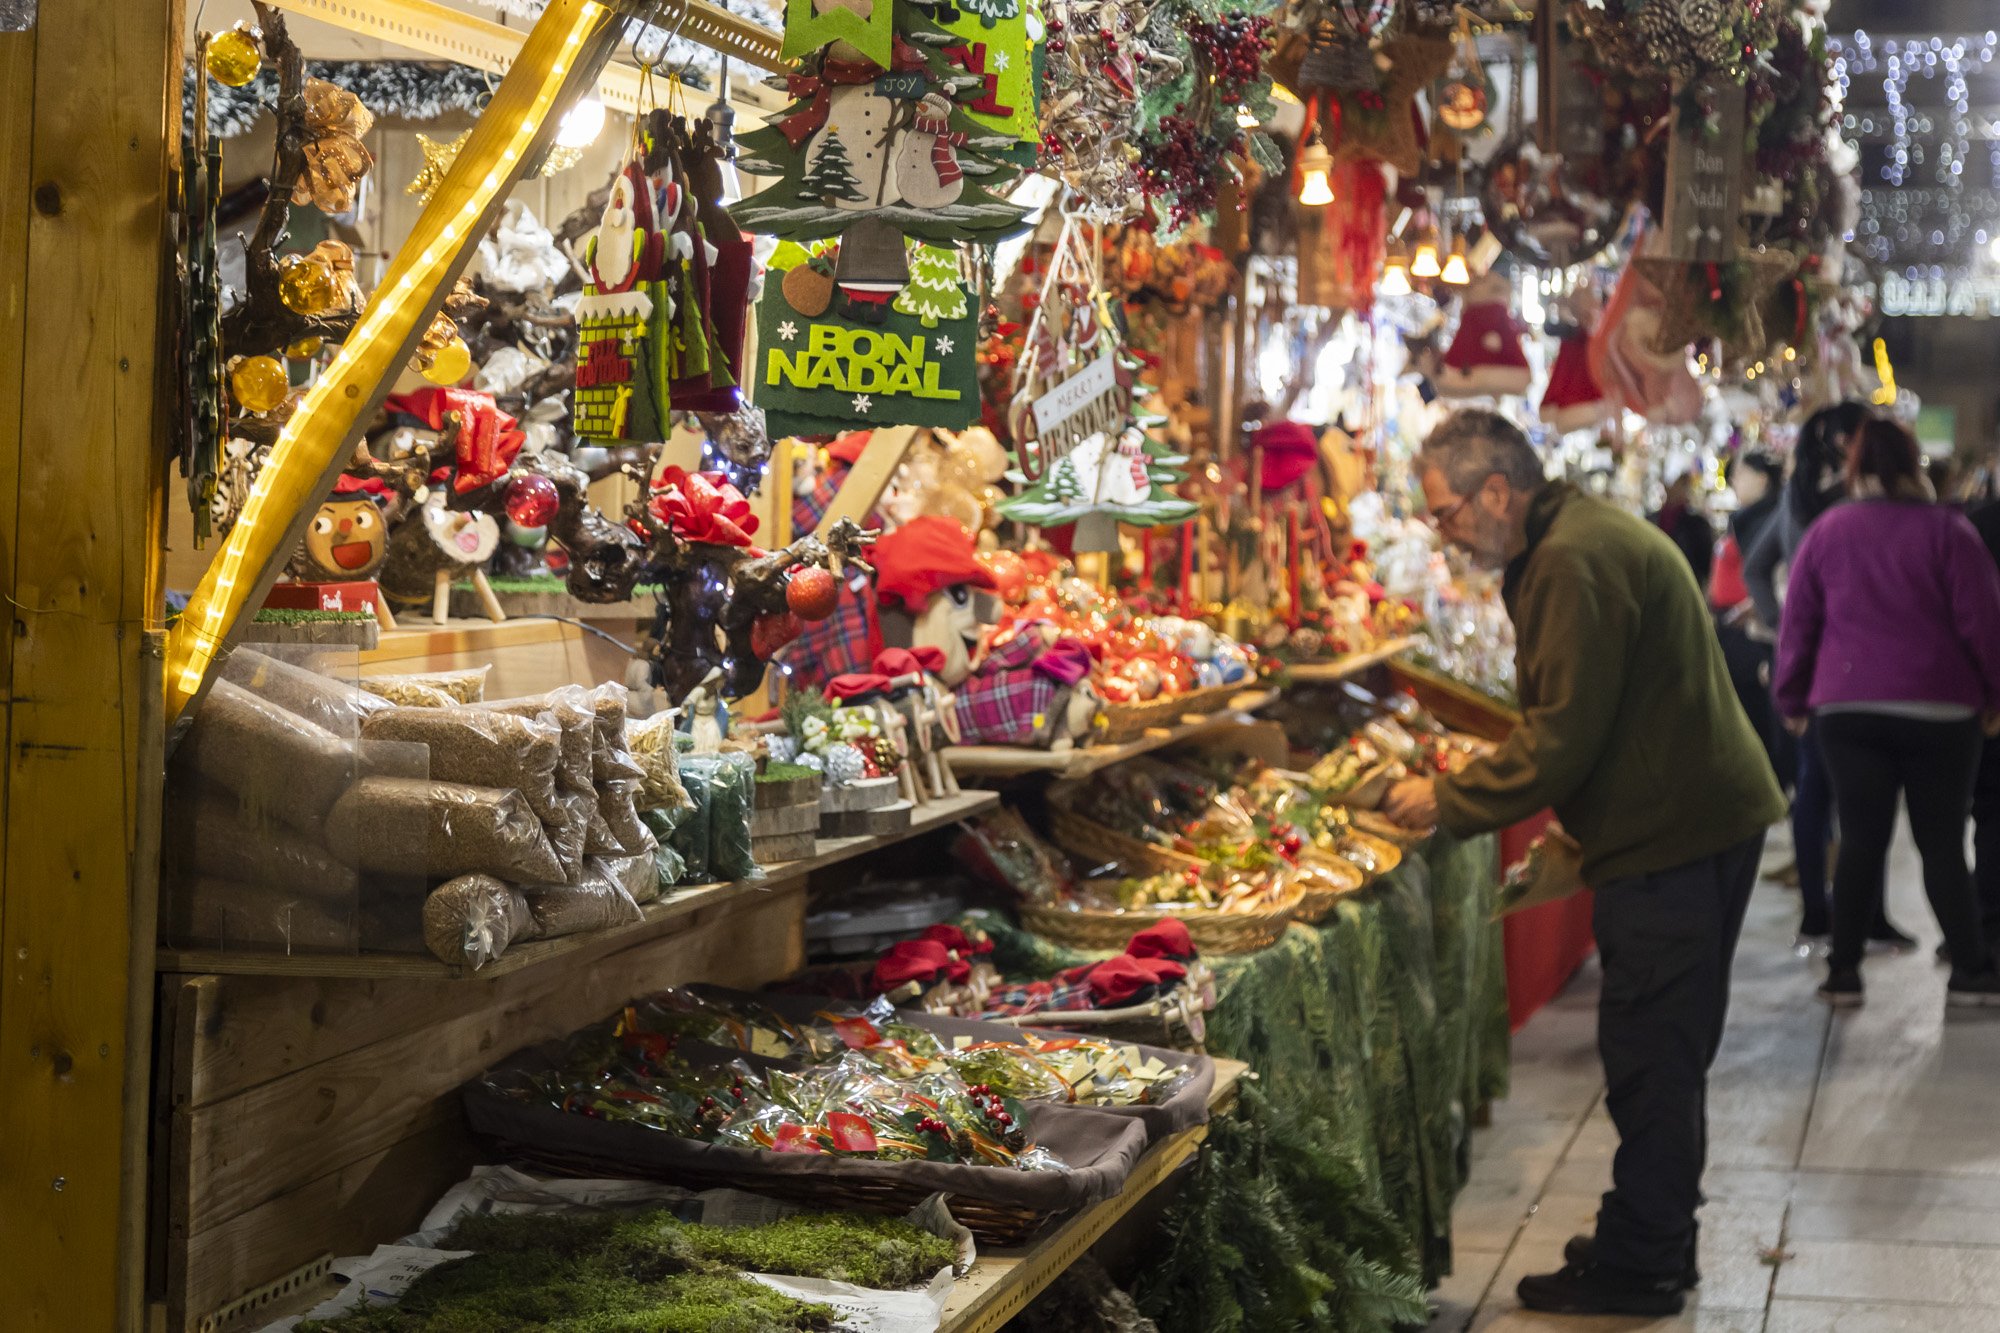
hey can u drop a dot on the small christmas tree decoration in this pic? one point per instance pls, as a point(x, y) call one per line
point(233, 57)
point(259, 383)
point(831, 177)
point(934, 293)
point(1485, 359)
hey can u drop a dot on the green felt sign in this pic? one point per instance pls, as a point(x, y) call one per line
point(860, 365)
point(867, 25)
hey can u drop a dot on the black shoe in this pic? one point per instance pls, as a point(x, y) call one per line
point(1885, 938)
point(1979, 991)
point(1582, 1251)
point(1842, 989)
point(1596, 1289)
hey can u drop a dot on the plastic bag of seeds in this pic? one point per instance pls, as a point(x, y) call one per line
point(279, 763)
point(471, 920)
point(612, 759)
point(638, 875)
point(480, 748)
point(700, 773)
point(665, 858)
point(652, 742)
point(467, 686)
point(730, 813)
point(212, 834)
point(594, 903)
point(440, 830)
point(407, 693)
point(616, 803)
point(336, 705)
point(577, 716)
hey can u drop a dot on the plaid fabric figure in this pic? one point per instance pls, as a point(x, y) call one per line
point(1006, 701)
point(1038, 997)
point(842, 642)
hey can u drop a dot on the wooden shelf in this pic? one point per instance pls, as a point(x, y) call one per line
point(418, 636)
point(1003, 1282)
point(998, 761)
point(1353, 664)
point(681, 910)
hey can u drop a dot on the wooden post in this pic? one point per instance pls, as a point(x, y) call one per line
point(90, 115)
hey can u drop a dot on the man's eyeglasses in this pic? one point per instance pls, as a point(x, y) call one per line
point(1437, 518)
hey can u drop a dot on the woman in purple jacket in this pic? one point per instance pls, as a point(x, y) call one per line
point(1891, 639)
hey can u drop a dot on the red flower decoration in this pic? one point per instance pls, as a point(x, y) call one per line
point(702, 507)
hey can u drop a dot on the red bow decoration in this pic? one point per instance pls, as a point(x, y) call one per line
point(702, 507)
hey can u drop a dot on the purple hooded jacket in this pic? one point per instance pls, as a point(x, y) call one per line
point(1890, 602)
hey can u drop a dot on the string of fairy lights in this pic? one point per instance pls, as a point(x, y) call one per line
point(1924, 207)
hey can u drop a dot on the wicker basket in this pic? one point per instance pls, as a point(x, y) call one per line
point(1378, 825)
point(1368, 789)
point(1213, 932)
point(1387, 854)
point(1094, 844)
point(990, 1222)
point(1317, 904)
point(1128, 721)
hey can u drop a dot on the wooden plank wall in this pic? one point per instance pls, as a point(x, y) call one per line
point(89, 123)
point(316, 1115)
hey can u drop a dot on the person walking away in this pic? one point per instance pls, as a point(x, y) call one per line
point(1817, 484)
point(1891, 641)
point(1986, 786)
point(1686, 527)
point(1754, 477)
point(1630, 731)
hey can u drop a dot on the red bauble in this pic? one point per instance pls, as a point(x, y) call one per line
point(812, 593)
point(532, 501)
point(770, 633)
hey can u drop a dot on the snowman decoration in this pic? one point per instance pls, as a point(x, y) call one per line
point(927, 170)
point(1121, 478)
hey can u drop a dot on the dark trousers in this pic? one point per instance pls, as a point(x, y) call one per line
point(1986, 840)
point(1872, 757)
point(1749, 664)
point(1666, 941)
point(1812, 832)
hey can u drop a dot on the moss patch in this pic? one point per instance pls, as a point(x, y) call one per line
point(289, 615)
point(786, 773)
point(645, 1272)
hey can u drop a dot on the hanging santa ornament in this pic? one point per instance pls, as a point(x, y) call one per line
point(618, 396)
point(1486, 359)
point(233, 57)
point(1462, 99)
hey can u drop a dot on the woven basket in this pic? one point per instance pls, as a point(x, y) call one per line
point(1213, 932)
point(1387, 854)
point(1094, 844)
point(1129, 721)
point(1369, 789)
point(990, 1222)
point(1316, 904)
point(1378, 825)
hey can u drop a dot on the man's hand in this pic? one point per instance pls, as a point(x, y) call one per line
point(1412, 803)
point(1797, 725)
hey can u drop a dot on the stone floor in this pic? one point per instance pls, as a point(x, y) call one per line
point(1854, 1170)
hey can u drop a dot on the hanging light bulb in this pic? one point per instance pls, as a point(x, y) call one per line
point(1425, 265)
point(1315, 190)
point(1455, 272)
point(582, 125)
point(1395, 278)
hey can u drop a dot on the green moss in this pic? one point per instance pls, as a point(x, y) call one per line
point(645, 1272)
point(288, 615)
point(786, 773)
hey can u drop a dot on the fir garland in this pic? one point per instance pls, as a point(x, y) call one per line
point(404, 89)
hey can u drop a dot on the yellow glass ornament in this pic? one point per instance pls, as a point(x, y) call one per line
point(233, 57)
point(306, 286)
point(259, 383)
point(450, 364)
point(305, 348)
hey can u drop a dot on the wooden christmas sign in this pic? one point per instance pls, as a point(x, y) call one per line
point(1704, 173)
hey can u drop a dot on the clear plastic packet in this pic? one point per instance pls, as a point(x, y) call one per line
point(1002, 850)
point(594, 903)
point(464, 686)
point(668, 860)
point(440, 830)
point(224, 913)
point(1101, 1073)
point(405, 692)
point(322, 700)
point(638, 875)
point(692, 836)
point(282, 765)
point(577, 716)
point(652, 742)
point(1011, 1068)
point(480, 748)
point(612, 759)
point(730, 811)
point(471, 920)
point(212, 834)
point(616, 805)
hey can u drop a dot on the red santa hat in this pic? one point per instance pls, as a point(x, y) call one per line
point(1290, 452)
point(1574, 399)
point(1486, 358)
point(924, 556)
point(847, 449)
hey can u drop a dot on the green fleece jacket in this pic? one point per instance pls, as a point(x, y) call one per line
point(1630, 729)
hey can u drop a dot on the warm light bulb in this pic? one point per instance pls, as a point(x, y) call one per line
point(1455, 271)
point(1316, 191)
point(1425, 265)
point(582, 125)
point(1395, 280)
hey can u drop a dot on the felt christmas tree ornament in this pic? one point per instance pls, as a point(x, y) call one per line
point(1485, 359)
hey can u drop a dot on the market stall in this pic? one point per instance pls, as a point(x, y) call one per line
point(785, 626)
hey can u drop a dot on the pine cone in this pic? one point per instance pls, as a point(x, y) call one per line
point(1701, 18)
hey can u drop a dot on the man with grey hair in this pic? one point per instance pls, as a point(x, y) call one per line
point(1631, 732)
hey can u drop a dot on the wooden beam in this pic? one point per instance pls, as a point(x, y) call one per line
point(84, 281)
point(870, 475)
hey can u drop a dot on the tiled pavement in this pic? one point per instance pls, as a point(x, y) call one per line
point(1854, 1173)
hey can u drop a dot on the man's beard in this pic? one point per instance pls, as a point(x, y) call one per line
point(614, 246)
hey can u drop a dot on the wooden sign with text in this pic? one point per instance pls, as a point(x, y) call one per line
point(1705, 176)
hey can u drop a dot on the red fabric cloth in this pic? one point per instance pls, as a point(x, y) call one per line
point(927, 660)
point(924, 556)
point(956, 940)
point(1117, 981)
point(910, 960)
point(1291, 450)
point(1726, 588)
point(1168, 939)
point(1544, 946)
point(847, 449)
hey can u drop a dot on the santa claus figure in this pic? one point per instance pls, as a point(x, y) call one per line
point(617, 396)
